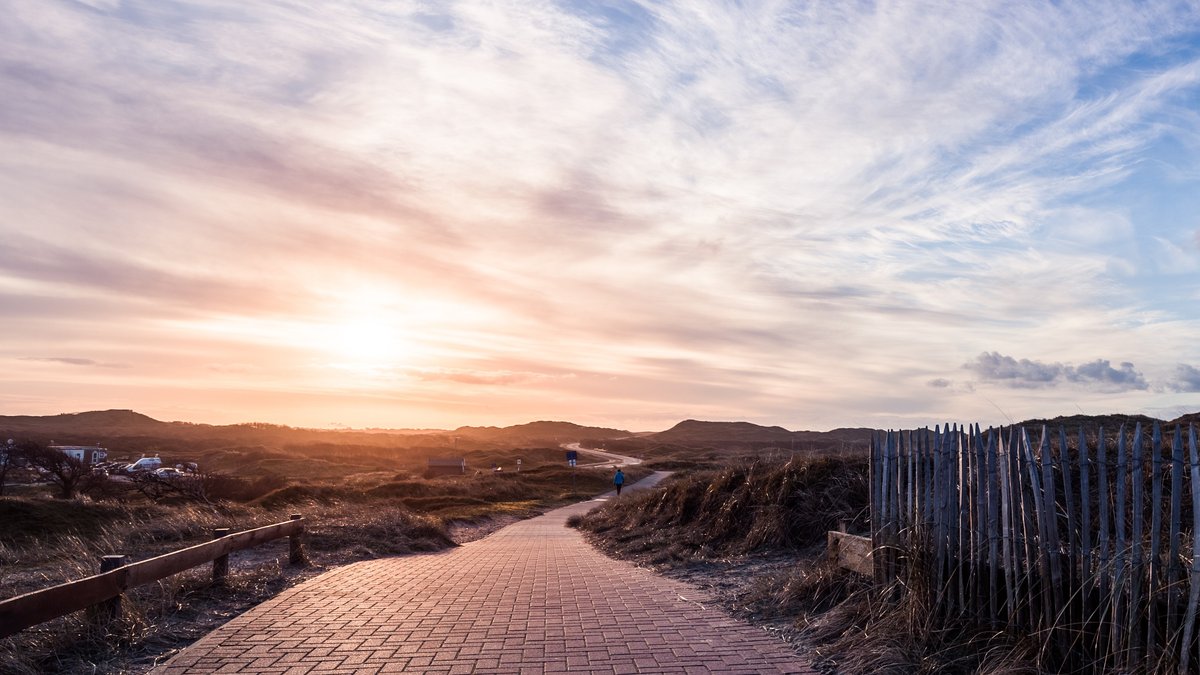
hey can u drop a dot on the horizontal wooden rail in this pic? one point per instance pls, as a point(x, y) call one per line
point(30, 609)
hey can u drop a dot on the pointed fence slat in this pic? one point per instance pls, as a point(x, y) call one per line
point(1154, 583)
point(989, 479)
point(1137, 572)
point(1068, 611)
point(1119, 619)
point(1007, 544)
point(963, 518)
point(1085, 512)
point(1029, 529)
point(1174, 569)
point(1185, 646)
point(1104, 577)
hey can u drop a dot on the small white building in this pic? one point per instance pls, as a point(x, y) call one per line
point(87, 454)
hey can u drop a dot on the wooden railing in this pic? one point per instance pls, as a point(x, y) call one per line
point(104, 590)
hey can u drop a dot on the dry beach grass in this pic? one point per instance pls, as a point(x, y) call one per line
point(47, 541)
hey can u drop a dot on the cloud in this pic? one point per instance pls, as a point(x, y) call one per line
point(73, 361)
point(483, 377)
point(1186, 379)
point(762, 200)
point(1026, 373)
point(1102, 373)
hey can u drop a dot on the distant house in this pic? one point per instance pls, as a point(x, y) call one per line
point(446, 466)
point(87, 454)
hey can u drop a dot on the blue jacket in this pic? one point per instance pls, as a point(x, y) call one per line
point(619, 479)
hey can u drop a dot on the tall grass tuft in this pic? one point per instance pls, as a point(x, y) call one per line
point(752, 507)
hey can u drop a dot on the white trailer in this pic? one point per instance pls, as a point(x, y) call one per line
point(85, 454)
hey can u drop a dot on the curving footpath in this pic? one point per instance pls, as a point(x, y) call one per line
point(533, 597)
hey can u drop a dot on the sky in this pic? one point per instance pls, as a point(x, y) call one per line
point(621, 213)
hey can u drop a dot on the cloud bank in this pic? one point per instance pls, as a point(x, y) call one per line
point(1026, 373)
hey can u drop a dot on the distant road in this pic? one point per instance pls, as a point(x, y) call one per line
point(610, 459)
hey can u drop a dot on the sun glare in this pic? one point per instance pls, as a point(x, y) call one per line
point(370, 342)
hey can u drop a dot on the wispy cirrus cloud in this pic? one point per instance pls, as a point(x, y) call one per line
point(784, 204)
point(73, 361)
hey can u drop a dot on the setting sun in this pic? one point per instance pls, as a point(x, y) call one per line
point(370, 342)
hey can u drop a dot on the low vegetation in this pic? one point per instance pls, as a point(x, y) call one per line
point(755, 507)
point(369, 509)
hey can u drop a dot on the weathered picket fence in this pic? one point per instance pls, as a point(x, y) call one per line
point(1053, 537)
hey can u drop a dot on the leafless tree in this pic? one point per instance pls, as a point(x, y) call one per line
point(197, 487)
point(66, 473)
point(9, 457)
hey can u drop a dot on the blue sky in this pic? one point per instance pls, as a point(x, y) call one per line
point(620, 213)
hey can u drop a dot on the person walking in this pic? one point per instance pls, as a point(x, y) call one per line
point(619, 480)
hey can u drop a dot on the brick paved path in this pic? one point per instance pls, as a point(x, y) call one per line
point(531, 598)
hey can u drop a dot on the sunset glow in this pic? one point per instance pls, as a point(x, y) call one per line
point(624, 214)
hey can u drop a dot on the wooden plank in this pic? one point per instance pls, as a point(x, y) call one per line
point(1102, 542)
point(42, 605)
point(1119, 617)
point(962, 517)
point(165, 565)
point(1104, 581)
point(876, 511)
point(975, 528)
point(1064, 461)
point(1086, 559)
point(1174, 569)
point(949, 490)
point(1029, 524)
point(1068, 611)
point(927, 500)
point(30, 609)
point(1007, 540)
point(979, 591)
point(939, 495)
point(1154, 581)
point(1037, 495)
point(1102, 505)
point(1189, 626)
point(1089, 608)
point(889, 505)
point(1137, 571)
point(1051, 545)
point(995, 564)
point(911, 494)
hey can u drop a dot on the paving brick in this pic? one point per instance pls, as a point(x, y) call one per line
point(531, 598)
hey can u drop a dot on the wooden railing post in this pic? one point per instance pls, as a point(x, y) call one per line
point(296, 548)
point(220, 568)
point(110, 609)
